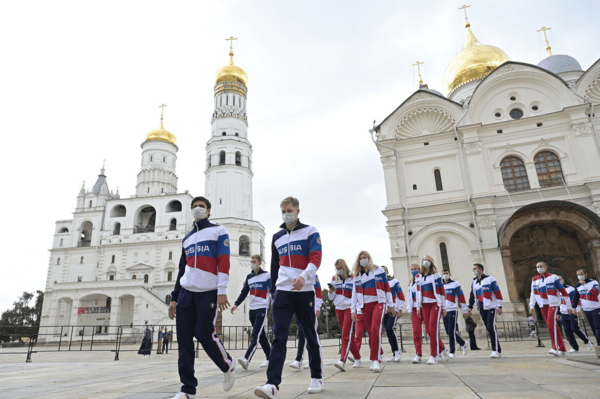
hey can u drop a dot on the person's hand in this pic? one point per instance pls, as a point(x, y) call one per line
point(532, 311)
point(353, 316)
point(392, 311)
point(444, 312)
point(318, 313)
point(557, 316)
point(233, 308)
point(570, 311)
point(465, 315)
point(469, 312)
point(222, 302)
point(172, 310)
point(419, 312)
point(499, 311)
point(298, 283)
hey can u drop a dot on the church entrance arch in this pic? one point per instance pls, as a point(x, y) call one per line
point(564, 235)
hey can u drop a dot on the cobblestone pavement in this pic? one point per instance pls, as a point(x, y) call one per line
point(524, 371)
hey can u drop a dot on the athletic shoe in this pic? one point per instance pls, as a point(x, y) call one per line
point(452, 356)
point(553, 352)
point(316, 385)
point(495, 355)
point(243, 362)
point(267, 391)
point(297, 365)
point(340, 365)
point(357, 364)
point(264, 364)
point(351, 358)
point(590, 346)
point(375, 366)
point(417, 359)
point(396, 358)
point(445, 355)
point(229, 379)
point(573, 351)
point(432, 360)
point(465, 349)
point(183, 395)
point(560, 353)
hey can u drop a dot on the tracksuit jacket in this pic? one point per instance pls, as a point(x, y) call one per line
point(566, 302)
point(432, 290)
point(371, 286)
point(587, 295)
point(258, 286)
point(546, 289)
point(454, 295)
point(341, 295)
point(414, 298)
point(397, 294)
point(487, 291)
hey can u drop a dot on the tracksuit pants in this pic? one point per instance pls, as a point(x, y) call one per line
point(593, 318)
point(372, 321)
point(450, 322)
point(258, 318)
point(489, 319)
point(196, 317)
point(431, 318)
point(390, 328)
point(348, 344)
point(285, 305)
point(417, 326)
point(570, 323)
point(359, 329)
point(549, 313)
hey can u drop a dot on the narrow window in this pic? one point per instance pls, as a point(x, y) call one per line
point(549, 171)
point(438, 180)
point(145, 278)
point(117, 229)
point(222, 158)
point(111, 277)
point(227, 100)
point(514, 174)
point(169, 276)
point(134, 277)
point(79, 279)
point(61, 242)
point(162, 190)
point(150, 158)
point(112, 259)
point(233, 100)
point(164, 159)
point(108, 302)
point(58, 261)
point(170, 255)
point(224, 134)
point(444, 255)
point(90, 204)
point(173, 225)
point(81, 261)
point(238, 158)
point(414, 186)
point(148, 190)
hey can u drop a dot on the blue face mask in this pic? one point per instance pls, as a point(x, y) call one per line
point(414, 272)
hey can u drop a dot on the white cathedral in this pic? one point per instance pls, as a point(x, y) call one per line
point(503, 170)
point(114, 263)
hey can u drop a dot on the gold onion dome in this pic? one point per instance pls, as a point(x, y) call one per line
point(475, 61)
point(162, 135)
point(231, 73)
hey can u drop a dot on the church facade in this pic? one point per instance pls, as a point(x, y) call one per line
point(115, 262)
point(503, 171)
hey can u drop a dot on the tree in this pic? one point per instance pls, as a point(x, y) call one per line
point(334, 326)
point(22, 320)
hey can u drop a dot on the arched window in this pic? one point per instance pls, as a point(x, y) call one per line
point(438, 180)
point(58, 261)
point(108, 302)
point(444, 256)
point(169, 276)
point(81, 260)
point(224, 134)
point(117, 229)
point(90, 204)
point(238, 158)
point(112, 260)
point(549, 171)
point(63, 230)
point(170, 255)
point(237, 134)
point(168, 299)
point(222, 158)
point(145, 278)
point(61, 242)
point(514, 174)
point(134, 277)
point(244, 246)
point(118, 211)
point(173, 225)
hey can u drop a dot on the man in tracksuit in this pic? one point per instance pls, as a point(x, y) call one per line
point(201, 289)
point(570, 321)
point(454, 295)
point(489, 303)
point(296, 256)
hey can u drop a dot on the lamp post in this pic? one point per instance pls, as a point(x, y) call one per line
point(327, 318)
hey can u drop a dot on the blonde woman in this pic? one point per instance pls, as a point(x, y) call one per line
point(340, 292)
point(372, 298)
point(433, 303)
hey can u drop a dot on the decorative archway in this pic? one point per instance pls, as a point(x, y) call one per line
point(564, 235)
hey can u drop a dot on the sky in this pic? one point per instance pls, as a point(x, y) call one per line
point(81, 82)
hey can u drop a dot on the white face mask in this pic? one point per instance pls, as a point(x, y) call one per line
point(446, 277)
point(289, 218)
point(254, 266)
point(198, 213)
point(541, 270)
point(364, 262)
point(476, 273)
point(340, 272)
point(426, 264)
point(581, 277)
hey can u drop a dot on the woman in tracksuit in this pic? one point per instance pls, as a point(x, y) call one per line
point(588, 292)
point(433, 304)
point(340, 292)
point(297, 363)
point(257, 284)
point(371, 297)
point(569, 320)
point(389, 322)
point(412, 305)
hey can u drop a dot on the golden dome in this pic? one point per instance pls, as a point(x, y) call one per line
point(231, 73)
point(475, 61)
point(162, 135)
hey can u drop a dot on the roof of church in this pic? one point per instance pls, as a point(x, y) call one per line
point(99, 183)
point(560, 63)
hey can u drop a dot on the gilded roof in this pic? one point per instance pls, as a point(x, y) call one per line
point(231, 73)
point(162, 135)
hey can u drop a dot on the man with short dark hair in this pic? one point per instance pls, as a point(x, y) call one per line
point(201, 289)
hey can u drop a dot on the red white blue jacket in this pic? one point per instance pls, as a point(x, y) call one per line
point(371, 286)
point(318, 294)
point(432, 289)
point(546, 290)
point(341, 295)
point(414, 295)
point(487, 292)
point(454, 295)
point(397, 294)
point(295, 253)
point(587, 295)
point(566, 302)
point(204, 262)
point(258, 286)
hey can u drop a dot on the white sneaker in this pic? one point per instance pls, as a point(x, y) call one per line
point(396, 358)
point(316, 385)
point(229, 379)
point(340, 365)
point(297, 365)
point(445, 355)
point(465, 349)
point(432, 360)
point(243, 362)
point(560, 353)
point(452, 356)
point(495, 355)
point(264, 364)
point(573, 351)
point(357, 364)
point(267, 391)
point(590, 346)
point(553, 352)
point(375, 366)
point(351, 358)
point(183, 395)
point(417, 359)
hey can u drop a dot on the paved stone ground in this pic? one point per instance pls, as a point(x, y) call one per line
point(524, 371)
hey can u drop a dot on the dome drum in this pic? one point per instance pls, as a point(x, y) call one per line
point(231, 87)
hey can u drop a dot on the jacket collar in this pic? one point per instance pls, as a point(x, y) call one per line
point(298, 226)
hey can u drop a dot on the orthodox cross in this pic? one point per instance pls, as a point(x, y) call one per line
point(162, 109)
point(548, 48)
point(418, 65)
point(231, 39)
point(464, 8)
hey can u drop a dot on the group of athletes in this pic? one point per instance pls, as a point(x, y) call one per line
point(365, 298)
